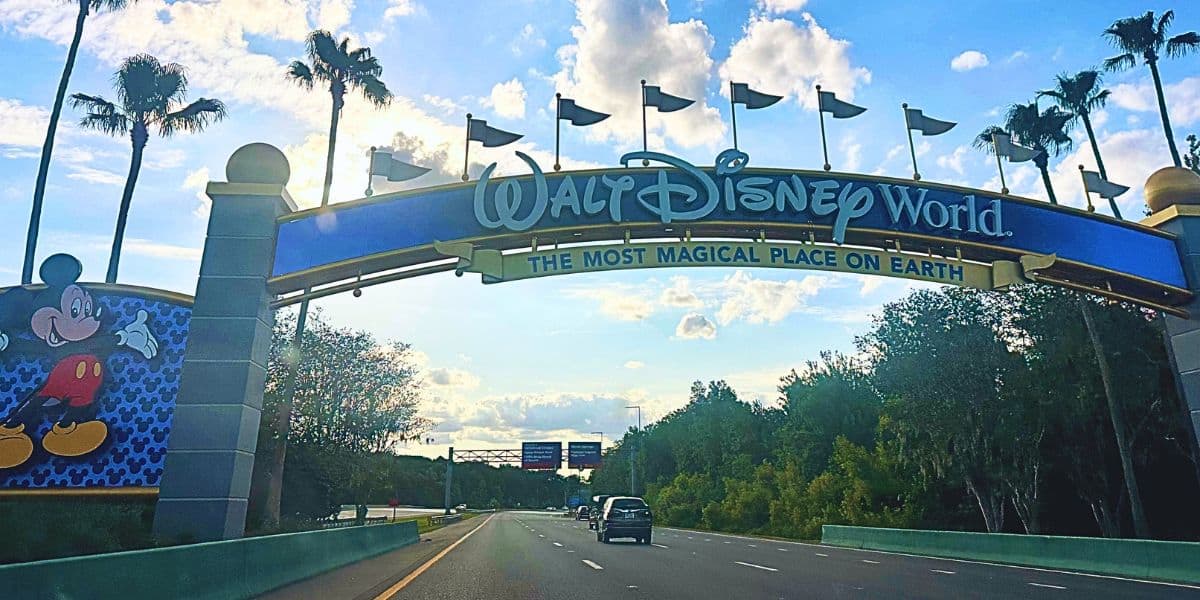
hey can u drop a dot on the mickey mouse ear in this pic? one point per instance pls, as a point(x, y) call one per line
point(60, 270)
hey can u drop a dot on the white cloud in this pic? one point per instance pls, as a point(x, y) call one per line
point(1183, 99)
point(634, 364)
point(622, 303)
point(851, 152)
point(164, 158)
point(969, 60)
point(446, 105)
point(778, 56)
point(1019, 55)
point(954, 160)
point(781, 6)
point(764, 300)
point(619, 43)
point(680, 294)
point(22, 125)
point(1129, 158)
point(197, 180)
point(93, 175)
point(695, 326)
point(507, 99)
point(333, 15)
point(159, 250)
point(450, 377)
point(527, 39)
point(402, 8)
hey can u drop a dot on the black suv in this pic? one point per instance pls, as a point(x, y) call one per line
point(624, 516)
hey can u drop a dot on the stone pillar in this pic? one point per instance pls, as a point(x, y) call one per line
point(210, 455)
point(1173, 194)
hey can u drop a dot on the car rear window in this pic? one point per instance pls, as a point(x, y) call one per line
point(629, 503)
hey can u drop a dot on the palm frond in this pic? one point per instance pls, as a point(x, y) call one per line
point(301, 74)
point(1182, 44)
point(102, 115)
point(983, 141)
point(96, 104)
point(1163, 23)
point(1134, 35)
point(192, 118)
point(107, 5)
point(374, 90)
point(136, 83)
point(1120, 63)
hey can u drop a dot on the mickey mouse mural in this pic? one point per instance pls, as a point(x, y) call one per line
point(63, 324)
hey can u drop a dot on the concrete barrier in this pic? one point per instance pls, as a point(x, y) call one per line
point(1141, 559)
point(231, 569)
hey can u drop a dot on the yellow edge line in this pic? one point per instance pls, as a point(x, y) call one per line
point(403, 583)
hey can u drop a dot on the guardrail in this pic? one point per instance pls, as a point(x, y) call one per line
point(233, 569)
point(1142, 559)
point(351, 522)
point(445, 519)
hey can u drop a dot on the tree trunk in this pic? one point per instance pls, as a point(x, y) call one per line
point(282, 424)
point(1162, 111)
point(39, 186)
point(1105, 519)
point(1087, 124)
point(1043, 165)
point(139, 137)
point(991, 506)
point(1140, 526)
point(338, 92)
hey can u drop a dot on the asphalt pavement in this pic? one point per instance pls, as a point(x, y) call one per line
point(529, 555)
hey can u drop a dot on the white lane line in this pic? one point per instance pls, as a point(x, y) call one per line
point(782, 549)
point(752, 545)
point(728, 542)
point(558, 544)
point(661, 546)
point(942, 572)
point(820, 554)
point(541, 536)
point(746, 564)
point(870, 562)
point(1046, 585)
point(593, 565)
point(570, 552)
point(691, 538)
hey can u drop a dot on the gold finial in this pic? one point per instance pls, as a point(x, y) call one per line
point(1170, 186)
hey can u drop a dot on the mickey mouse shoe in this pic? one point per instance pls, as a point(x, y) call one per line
point(75, 439)
point(15, 446)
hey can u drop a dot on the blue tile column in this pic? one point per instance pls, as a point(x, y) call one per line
point(210, 455)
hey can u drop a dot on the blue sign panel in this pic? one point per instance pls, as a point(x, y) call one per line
point(583, 455)
point(88, 379)
point(541, 455)
point(574, 501)
point(789, 204)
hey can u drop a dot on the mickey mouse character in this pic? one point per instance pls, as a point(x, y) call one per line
point(63, 322)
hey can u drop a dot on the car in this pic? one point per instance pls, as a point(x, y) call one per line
point(625, 517)
point(594, 513)
point(461, 507)
point(551, 508)
point(582, 513)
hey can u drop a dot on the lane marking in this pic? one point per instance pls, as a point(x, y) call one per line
point(820, 554)
point(403, 583)
point(661, 546)
point(691, 538)
point(752, 545)
point(593, 565)
point(782, 549)
point(570, 552)
point(958, 560)
point(1047, 586)
point(746, 564)
point(558, 544)
point(541, 536)
point(728, 542)
point(942, 572)
point(707, 539)
point(870, 562)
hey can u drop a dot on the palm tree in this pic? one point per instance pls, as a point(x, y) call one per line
point(1079, 94)
point(1045, 131)
point(149, 95)
point(342, 68)
point(39, 187)
point(1143, 36)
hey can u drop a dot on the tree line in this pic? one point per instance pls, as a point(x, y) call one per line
point(961, 410)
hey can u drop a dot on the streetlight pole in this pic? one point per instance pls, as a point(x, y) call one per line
point(633, 454)
point(601, 434)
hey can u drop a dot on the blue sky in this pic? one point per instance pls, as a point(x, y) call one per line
point(561, 357)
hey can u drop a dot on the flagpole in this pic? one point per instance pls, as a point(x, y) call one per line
point(911, 149)
point(999, 165)
point(557, 126)
point(1085, 190)
point(821, 116)
point(645, 163)
point(733, 112)
point(467, 149)
point(370, 160)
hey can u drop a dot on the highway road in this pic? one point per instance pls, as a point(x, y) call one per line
point(523, 556)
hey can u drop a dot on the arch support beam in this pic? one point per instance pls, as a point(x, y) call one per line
point(1182, 335)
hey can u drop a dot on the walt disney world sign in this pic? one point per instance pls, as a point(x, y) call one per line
point(500, 227)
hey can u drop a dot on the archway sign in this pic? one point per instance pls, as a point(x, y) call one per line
point(681, 215)
point(261, 253)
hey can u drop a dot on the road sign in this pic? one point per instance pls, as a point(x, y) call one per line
point(583, 455)
point(541, 455)
point(393, 503)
